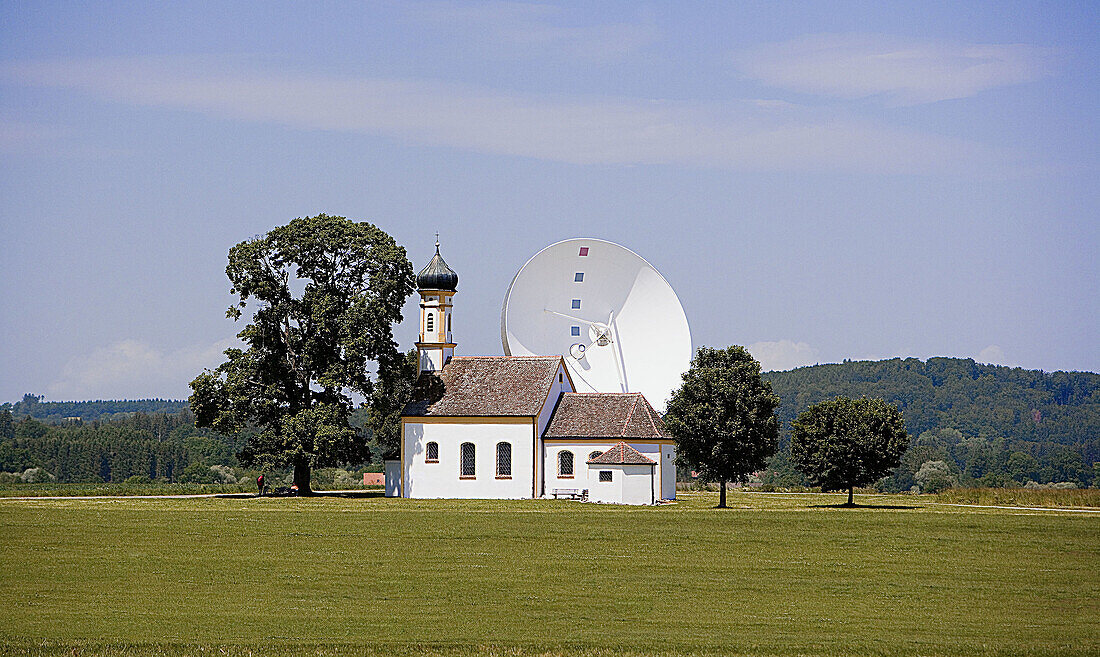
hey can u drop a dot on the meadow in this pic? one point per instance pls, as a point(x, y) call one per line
point(776, 574)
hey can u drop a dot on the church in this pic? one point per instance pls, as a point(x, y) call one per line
point(513, 427)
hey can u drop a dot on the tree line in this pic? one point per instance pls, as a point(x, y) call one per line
point(159, 446)
point(989, 425)
point(59, 411)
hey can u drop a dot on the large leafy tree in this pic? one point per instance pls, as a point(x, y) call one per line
point(326, 293)
point(843, 443)
point(723, 417)
point(392, 390)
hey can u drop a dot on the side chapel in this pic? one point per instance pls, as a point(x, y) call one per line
point(512, 427)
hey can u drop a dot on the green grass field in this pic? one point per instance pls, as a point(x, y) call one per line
point(773, 575)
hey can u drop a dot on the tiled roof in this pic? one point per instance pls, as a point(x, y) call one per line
point(485, 385)
point(622, 454)
point(605, 415)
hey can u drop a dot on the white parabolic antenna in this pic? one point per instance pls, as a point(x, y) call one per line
point(612, 316)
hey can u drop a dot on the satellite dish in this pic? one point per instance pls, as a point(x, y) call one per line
point(612, 316)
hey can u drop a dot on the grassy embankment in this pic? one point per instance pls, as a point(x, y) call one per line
point(1036, 497)
point(109, 490)
point(774, 575)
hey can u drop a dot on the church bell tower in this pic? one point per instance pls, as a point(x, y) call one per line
point(436, 284)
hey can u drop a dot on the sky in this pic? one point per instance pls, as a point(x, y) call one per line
point(817, 181)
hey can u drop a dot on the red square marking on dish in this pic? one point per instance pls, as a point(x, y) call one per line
point(584, 250)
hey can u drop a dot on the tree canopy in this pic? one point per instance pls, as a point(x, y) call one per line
point(723, 416)
point(1030, 410)
point(327, 292)
point(843, 443)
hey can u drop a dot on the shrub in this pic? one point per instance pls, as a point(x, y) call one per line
point(222, 474)
point(1061, 485)
point(8, 478)
point(36, 476)
point(196, 473)
point(138, 479)
point(935, 476)
point(345, 479)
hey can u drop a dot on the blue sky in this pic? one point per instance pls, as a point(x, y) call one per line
point(818, 181)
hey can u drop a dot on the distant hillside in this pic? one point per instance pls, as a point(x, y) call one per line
point(87, 411)
point(976, 415)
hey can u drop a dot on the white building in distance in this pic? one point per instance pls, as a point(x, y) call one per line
point(512, 427)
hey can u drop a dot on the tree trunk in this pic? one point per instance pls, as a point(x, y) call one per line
point(722, 495)
point(301, 478)
point(850, 490)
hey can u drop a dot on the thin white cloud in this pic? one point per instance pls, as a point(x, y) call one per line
point(131, 369)
point(525, 30)
point(782, 355)
point(743, 135)
point(903, 71)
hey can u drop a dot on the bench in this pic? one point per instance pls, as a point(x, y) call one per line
point(569, 493)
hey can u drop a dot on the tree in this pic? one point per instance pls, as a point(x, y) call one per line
point(306, 353)
point(7, 426)
point(723, 417)
point(392, 391)
point(935, 476)
point(843, 443)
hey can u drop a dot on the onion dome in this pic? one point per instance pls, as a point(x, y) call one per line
point(436, 275)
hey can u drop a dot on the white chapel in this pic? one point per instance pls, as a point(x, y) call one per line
point(512, 427)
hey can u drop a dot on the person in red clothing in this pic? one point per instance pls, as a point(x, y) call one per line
point(260, 484)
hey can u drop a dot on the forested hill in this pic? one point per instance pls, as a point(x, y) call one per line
point(87, 411)
point(954, 406)
point(977, 400)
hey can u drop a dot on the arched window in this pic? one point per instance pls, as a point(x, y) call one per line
point(448, 321)
point(466, 461)
point(431, 322)
point(431, 452)
point(594, 454)
point(504, 460)
point(565, 463)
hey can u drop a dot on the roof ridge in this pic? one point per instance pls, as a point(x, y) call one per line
point(649, 413)
point(620, 458)
point(502, 357)
point(628, 416)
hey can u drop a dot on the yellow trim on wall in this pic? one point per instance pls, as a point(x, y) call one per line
point(534, 456)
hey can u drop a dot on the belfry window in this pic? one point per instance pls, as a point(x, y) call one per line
point(565, 463)
point(466, 461)
point(431, 452)
point(504, 460)
point(431, 322)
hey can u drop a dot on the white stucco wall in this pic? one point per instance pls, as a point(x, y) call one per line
point(580, 450)
point(630, 484)
point(561, 384)
point(441, 480)
point(393, 478)
point(667, 475)
point(663, 455)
